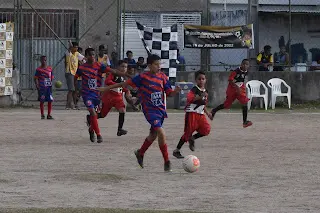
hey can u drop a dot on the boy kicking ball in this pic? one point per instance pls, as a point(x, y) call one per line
point(152, 85)
point(237, 90)
point(195, 118)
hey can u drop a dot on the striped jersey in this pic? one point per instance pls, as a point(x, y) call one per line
point(151, 89)
point(44, 76)
point(91, 78)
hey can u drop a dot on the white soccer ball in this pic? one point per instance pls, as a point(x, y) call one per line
point(191, 163)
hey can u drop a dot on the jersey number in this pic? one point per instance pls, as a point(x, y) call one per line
point(92, 83)
point(47, 82)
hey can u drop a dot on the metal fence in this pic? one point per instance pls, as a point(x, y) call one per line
point(43, 27)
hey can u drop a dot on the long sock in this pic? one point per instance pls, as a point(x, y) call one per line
point(197, 135)
point(121, 120)
point(94, 124)
point(49, 108)
point(220, 107)
point(180, 144)
point(164, 151)
point(42, 108)
point(145, 146)
point(244, 113)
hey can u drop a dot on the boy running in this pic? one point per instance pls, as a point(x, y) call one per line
point(114, 97)
point(195, 119)
point(91, 74)
point(237, 90)
point(152, 85)
point(43, 81)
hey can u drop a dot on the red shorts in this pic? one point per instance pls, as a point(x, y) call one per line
point(195, 122)
point(109, 100)
point(232, 96)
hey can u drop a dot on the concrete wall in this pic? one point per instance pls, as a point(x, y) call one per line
point(305, 86)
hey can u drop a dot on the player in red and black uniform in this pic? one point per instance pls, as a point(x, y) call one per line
point(43, 81)
point(91, 74)
point(114, 97)
point(237, 90)
point(195, 118)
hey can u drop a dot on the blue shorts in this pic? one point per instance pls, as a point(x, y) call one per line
point(91, 103)
point(45, 95)
point(155, 122)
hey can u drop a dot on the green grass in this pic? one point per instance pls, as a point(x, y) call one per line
point(84, 210)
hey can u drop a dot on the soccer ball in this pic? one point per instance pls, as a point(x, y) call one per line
point(58, 84)
point(191, 163)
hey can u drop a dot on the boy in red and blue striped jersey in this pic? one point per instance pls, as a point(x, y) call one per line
point(152, 85)
point(43, 81)
point(91, 73)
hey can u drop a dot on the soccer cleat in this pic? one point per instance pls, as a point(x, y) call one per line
point(177, 154)
point(247, 124)
point(92, 137)
point(191, 144)
point(99, 139)
point(167, 166)
point(139, 157)
point(43, 117)
point(49, 117)
point(88, 121)
point(122, 132)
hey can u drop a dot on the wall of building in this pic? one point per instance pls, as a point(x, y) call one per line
point(305, 86)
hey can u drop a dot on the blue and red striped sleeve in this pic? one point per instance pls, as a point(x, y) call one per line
point(166, 85)
point(104, 68)
point(78, 73)
point(37, 74)
point(135, 81)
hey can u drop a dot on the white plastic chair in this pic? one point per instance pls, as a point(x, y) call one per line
point(254, 87)
point(275, 85)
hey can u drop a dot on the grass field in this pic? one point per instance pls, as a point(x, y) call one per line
point(50, 166)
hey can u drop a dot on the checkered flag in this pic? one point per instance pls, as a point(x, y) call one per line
point(164, 43)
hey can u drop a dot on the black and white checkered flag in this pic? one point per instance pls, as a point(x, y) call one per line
point(164, 43)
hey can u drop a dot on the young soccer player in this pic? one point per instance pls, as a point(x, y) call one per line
point(152, 85)
point(91, 73)
point(195, 118)
point(43, 81)
point(114, 97)
point(237, 90)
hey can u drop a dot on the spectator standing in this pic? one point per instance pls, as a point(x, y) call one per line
point(129, 58)
point(141, 65)
point(182, 62)
point(72, 59)
point(114, 60)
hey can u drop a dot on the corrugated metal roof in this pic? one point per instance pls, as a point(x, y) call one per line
point(269, 2)
point(294, 9)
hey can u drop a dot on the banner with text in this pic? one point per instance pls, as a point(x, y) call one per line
point(6, 56)
point(218, 37)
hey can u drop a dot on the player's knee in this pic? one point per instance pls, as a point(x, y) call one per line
point(122, 110)
point(206, 132)
point(92, 111)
